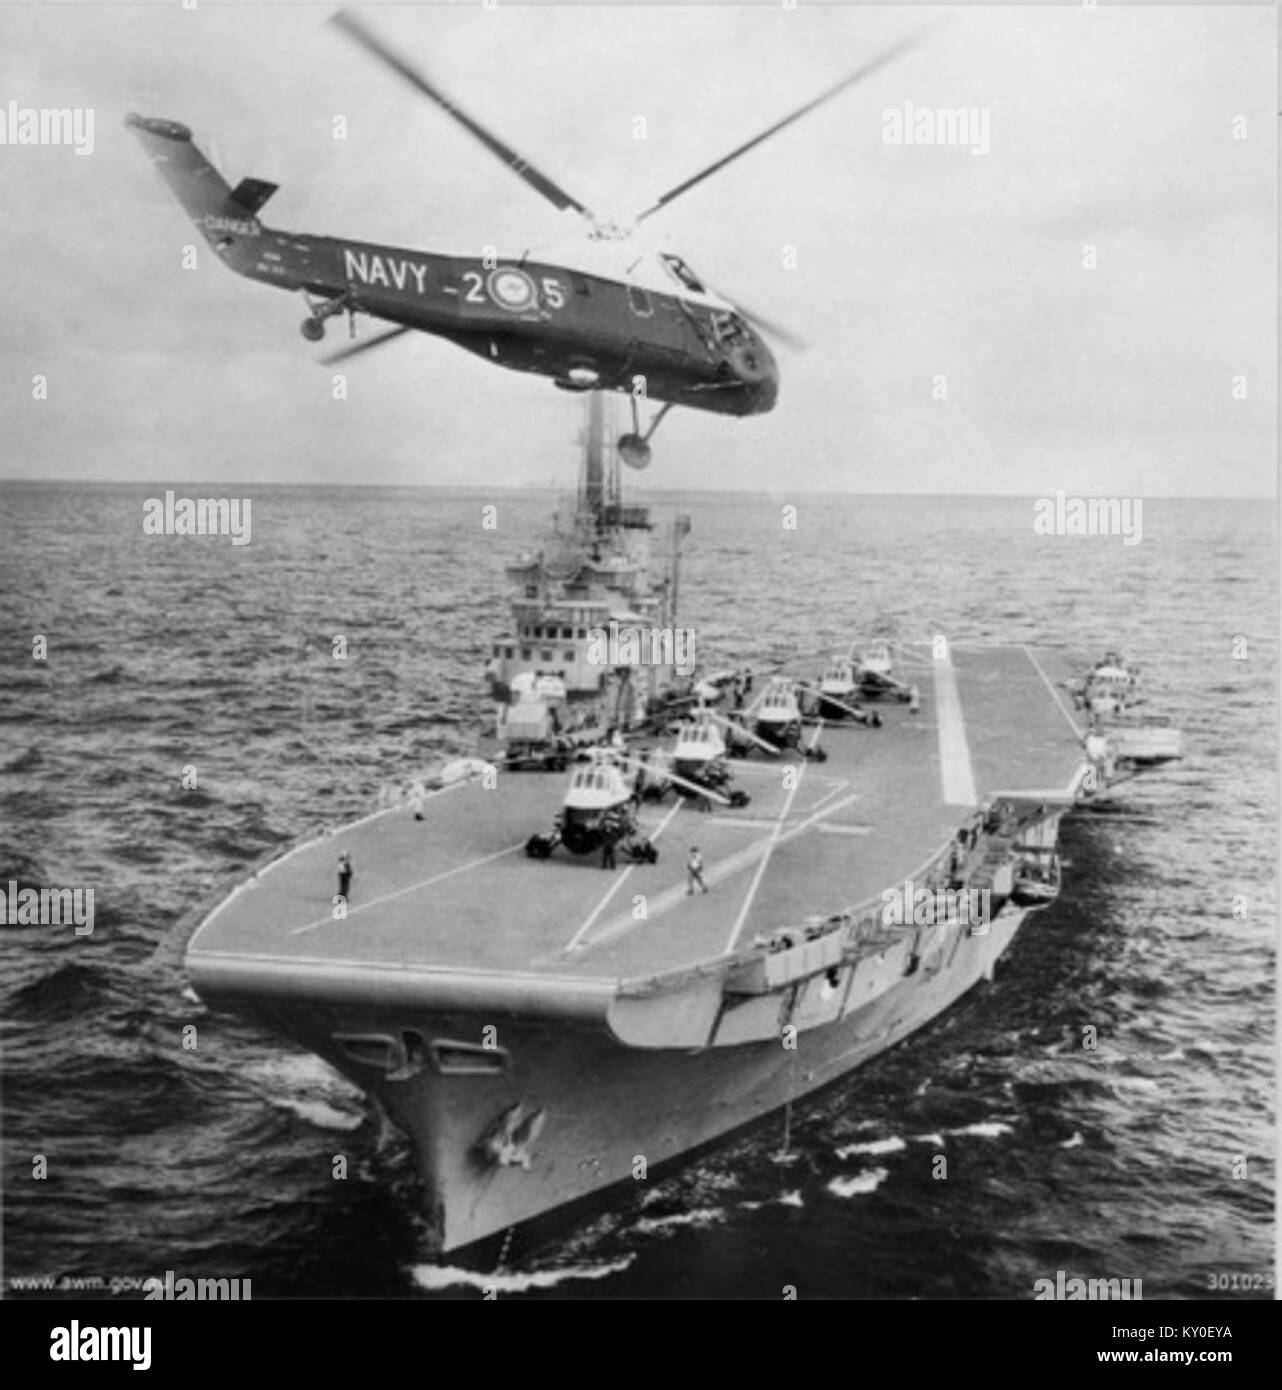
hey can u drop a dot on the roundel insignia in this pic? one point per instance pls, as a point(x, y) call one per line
point(511, 289)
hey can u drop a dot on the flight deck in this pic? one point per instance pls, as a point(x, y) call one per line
point(444, 904)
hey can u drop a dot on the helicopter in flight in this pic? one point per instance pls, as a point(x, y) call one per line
point(616, 317)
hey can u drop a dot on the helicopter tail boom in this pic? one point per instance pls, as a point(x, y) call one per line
point(222, 214)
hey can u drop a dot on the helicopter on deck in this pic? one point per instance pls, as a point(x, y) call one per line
point(1111, 687)
point(836, 695)
point(697, 756)
point(775, 715)
point(601, 806)
point(610, 315)
point(872, 669)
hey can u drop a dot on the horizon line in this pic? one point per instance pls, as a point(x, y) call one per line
point(573, 486)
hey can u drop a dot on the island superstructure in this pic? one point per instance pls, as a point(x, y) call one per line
point(593, 574)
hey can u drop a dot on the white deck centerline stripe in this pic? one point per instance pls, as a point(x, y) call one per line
point(955, 775)
point(619, 880)
point(412, 888)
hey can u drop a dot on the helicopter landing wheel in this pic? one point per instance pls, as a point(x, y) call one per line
point(313, 329)
point(634, 447)
point(634, 451)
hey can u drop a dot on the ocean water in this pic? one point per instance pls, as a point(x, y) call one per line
point(1150, 1157)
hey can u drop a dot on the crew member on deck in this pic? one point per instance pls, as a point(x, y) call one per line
point(607, 852)
point(694, 871)
point(345, 875)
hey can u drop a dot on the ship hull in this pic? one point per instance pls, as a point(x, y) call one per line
point(613, 1113)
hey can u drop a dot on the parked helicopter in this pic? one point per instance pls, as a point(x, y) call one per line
point(1110, 687)
point(836, 696)
point(872, 670)
point(600, 807)
point(776, 715)
point(614, 317)
point(697, 757)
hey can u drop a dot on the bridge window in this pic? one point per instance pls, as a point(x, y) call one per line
point(526, 654)
point(569, 656)
point(545, 656)
point(640, 301)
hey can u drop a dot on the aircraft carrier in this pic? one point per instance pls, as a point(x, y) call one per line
point(538, 1026)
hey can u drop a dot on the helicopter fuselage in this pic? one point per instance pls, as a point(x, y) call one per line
point(585, 331)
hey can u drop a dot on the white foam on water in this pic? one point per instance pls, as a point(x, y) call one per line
point(791, 1199)
point(984, 1129)
point(936, 1139)
point(1135, 1083)
point(1074, 1142)
point(700, 1218)
point(514, 1281)
point(316, 1112)
point(859, 1184)
point(873, 1146)
point(311, 1089)
point(301, 1073)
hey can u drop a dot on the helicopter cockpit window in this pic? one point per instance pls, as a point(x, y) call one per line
point(728, 328)
point(683, 275)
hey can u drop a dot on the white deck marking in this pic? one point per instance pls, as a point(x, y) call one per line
point(1072, 723)
point(328, 833)
point(954, 753)
point(673, 896)
point(412, 888)
point(619, 880)
point(769, 850)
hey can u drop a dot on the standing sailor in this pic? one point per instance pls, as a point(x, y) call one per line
point(345, 875)
point(694, 872)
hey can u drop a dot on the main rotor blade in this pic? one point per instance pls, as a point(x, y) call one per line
point(520, 166)
point(355, 349)
point(866, 70)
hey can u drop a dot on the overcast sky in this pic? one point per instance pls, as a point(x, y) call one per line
point(1112, 127)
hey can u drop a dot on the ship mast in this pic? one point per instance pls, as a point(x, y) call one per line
point(592, 472)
